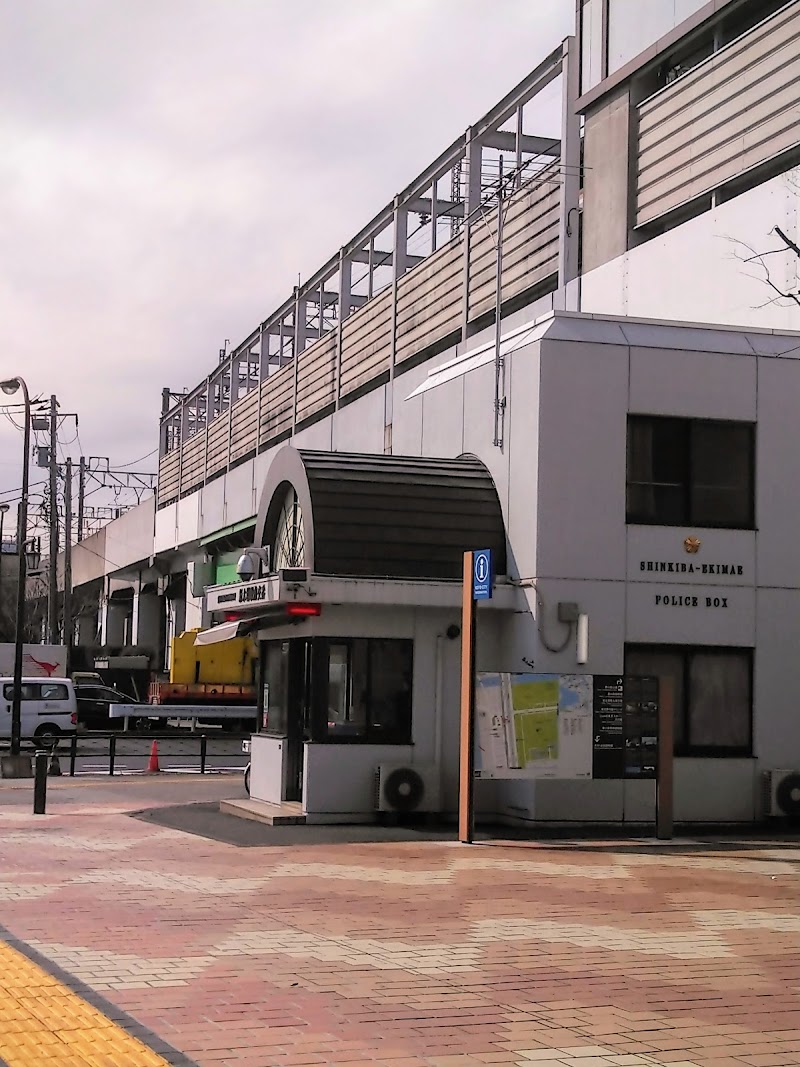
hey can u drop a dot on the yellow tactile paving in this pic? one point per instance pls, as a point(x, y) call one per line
point(44, 1022)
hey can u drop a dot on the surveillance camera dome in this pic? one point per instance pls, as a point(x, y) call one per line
point(246, 567)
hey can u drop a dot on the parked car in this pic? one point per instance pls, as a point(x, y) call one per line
point(94, 702)
point(48, 707)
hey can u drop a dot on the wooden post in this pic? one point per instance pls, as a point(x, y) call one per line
point(466, 788)
point(664, 793)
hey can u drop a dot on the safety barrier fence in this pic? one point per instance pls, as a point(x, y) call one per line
point(209, 749)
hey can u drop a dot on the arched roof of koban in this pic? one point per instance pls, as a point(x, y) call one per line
point(385, 516)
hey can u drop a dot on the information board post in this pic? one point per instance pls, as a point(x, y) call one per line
point(664, 793)
point(466, 784)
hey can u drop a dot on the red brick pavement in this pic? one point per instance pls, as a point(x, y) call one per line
point(413, 955)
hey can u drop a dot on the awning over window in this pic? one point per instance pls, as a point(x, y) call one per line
point(238, 535)
point(122, 594)
point(226, 631)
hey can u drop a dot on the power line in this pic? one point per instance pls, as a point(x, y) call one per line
point(121, 466)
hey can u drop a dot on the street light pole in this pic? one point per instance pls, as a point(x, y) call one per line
point(10, 387)
point(52, 596)
point(3, 512)
point(68, 558)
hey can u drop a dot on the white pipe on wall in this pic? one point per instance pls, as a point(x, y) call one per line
point(582, 639)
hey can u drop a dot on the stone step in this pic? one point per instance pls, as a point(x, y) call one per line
point(289, 813)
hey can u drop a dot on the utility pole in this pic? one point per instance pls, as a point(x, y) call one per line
point(68, 558)
point(81, 494)
point(52, 600)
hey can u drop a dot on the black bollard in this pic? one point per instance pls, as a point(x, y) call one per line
point(40, 783)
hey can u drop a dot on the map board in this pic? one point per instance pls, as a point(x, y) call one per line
point(565, 726)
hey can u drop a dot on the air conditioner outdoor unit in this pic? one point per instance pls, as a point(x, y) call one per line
point(783, 793)
point(402, 788)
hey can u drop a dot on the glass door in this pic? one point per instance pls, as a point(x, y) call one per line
point(286, 701)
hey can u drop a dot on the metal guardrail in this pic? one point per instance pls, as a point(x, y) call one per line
point(73, 754)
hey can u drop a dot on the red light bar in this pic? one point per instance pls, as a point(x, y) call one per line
point(232, 616)
point(303, 611)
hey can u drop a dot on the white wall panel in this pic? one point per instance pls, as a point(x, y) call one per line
point(696, 273)
point(583, 409)
point(692, 384)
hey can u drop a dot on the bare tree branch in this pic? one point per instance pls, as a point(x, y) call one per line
point(757, 259)
point(787, 241)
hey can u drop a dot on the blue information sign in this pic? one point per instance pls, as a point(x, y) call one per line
point(482, 574)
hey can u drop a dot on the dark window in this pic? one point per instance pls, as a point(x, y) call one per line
point(686, 59)
point(746, 18)
point(390, 690)
point(111, 696)
point(29, 691)
point(690, 472)
point(354, 689)
point(712, 695)
point(368, 685)
point(87, 692)
point(54, 691)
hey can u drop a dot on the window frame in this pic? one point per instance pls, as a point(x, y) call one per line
point(28, 691)
point(320, 731)
point(687, 750)
point(61, 686)
point(687, 423)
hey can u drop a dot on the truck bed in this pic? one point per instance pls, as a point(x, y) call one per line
point(162, 693)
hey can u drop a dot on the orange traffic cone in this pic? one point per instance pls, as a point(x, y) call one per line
point(153, 767)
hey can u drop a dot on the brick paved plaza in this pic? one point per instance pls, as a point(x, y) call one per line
point(409, 954)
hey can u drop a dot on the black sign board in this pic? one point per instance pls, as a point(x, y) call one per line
point(625, 725)
point(608, 752)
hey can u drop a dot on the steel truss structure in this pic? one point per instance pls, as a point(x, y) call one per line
point(421, 274)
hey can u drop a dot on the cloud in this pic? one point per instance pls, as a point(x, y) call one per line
point(169, 168)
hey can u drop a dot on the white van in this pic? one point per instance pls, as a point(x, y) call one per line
point(48, 707)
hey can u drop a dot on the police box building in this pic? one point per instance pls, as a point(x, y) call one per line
point(636, 478)
point(563, 360)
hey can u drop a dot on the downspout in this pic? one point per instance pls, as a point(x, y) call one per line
point(438, 698)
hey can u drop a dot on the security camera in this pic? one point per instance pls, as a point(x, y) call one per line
point(250, 563)
point(246, 567)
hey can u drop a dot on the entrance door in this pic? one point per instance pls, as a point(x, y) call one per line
point(298, 714)
point(287, 688)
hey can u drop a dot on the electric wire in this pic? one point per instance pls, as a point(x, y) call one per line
point(121, 466)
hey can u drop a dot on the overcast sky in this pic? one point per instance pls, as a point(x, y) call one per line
point(169, 166)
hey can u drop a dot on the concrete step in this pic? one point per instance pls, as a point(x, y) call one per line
point(290, 813)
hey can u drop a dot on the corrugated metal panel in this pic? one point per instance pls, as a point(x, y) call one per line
point(168, 481)
point(530, 245)
point(276, 404)
point(366, 342)
point(193, 467)
point(429, 301)
point(218, 444)
point(401, 516)
point(245, 425)
point(739, 108)
point(316, 372)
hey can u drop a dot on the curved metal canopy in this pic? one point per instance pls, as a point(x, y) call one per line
point(349, 514)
